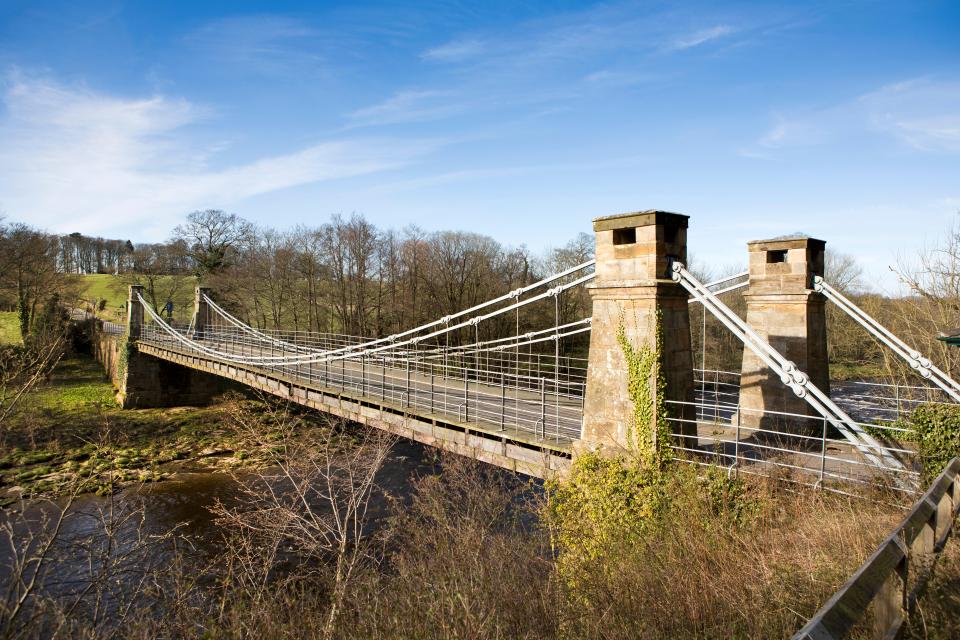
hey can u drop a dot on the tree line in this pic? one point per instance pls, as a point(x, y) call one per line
point(349, 276)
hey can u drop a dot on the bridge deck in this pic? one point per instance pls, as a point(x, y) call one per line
point(488, 422)
point(487, 415)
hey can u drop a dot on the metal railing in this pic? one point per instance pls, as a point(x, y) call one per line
point(797, 448)
point(885, 402)
point(788, 372)
point(895, 576)
point(475, 391)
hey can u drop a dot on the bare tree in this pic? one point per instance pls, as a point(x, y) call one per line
point(213, 238)
point(154, 267)
point(77, 568)
point(843, 272)
point(22, 369)
point(28, 270)
point(313, 500)
point(933, 278)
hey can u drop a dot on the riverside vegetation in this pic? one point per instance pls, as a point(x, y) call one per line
point(635, 545)
point(317, 544)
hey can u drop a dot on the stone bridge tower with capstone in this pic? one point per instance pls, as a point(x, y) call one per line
point(784, 309)
point(634, 254)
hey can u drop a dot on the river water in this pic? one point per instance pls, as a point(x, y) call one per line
point(141, 515)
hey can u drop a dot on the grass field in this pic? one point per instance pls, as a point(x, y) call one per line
point(9, 329)
point(71, 427)
point(103, 286)
point(113, 289)
point(77, 384)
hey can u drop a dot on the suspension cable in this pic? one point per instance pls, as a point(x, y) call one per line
point(914, 358)
point(354, 351)
point(795, 379)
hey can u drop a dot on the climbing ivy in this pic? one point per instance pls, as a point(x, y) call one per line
point(125, 349)
point(607, 501)
point(648, 432)
point(603, 501)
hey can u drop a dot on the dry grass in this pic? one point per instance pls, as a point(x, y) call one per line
point(702, 575)
point(938, 612)
point(465, 558)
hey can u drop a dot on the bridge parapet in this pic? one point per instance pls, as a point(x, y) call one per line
point(201, 312)
point(784, 309)
point(134, 312)
point(634, 252)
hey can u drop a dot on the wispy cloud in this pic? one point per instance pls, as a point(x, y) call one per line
point(792, 132)
point(455, 51)
point(619, 77)
point(700, 37)
point(77, 159)
point(477, 174)
point(560, 58)
point(268, 44)
point(406, 106)
point(922, 114)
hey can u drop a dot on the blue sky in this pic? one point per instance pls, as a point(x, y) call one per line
point(521, 120)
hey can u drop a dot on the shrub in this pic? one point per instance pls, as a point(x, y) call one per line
point(935, 428)
point(605, 501)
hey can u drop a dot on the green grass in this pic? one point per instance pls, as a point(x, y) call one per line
point(71, 429)
point(78, 384)
point(9, 328)
point(103, 286)
point(856, 371)
point(114, 289)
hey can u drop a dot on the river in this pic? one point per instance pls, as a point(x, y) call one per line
point(141, 515)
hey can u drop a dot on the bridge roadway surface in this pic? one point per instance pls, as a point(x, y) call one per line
point(519, 429)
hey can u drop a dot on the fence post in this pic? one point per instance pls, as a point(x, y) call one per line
point(543, 407)
point(736, 438)
point(891, 600)
point(896, 394)
point(823, 453)
point(503, 401)
point(466, 396)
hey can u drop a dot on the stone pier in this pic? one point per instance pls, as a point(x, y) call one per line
point(201, 312)
point(634, 252)
point(783, 308)
point(145, 381)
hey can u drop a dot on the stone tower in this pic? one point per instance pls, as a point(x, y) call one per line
point(783, 308)
point(634, 252)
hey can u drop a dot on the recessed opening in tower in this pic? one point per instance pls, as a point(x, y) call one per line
point(625, 236)
point(779, 255)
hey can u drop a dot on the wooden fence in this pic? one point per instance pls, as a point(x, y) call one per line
point(894, 577)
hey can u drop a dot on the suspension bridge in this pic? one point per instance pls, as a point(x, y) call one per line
point(474, 383)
